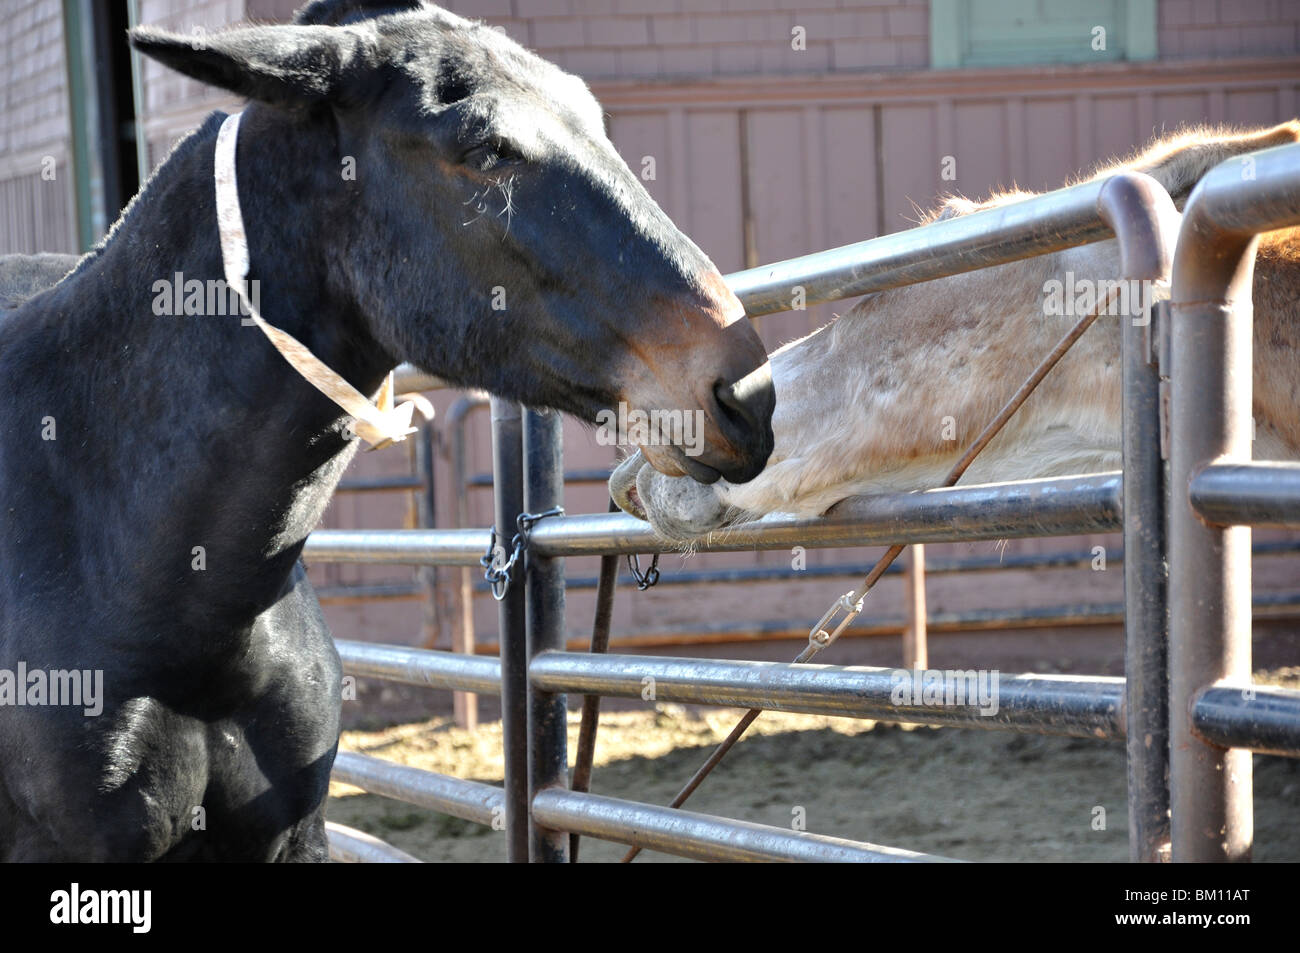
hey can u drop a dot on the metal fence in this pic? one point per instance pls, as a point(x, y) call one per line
point(1186, 707)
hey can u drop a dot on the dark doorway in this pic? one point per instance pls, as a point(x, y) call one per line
point(115, 138)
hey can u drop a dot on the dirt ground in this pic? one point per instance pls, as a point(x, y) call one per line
point(967, 794)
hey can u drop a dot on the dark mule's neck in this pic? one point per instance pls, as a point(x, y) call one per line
point(196, 442)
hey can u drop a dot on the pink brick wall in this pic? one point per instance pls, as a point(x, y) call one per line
point(166, 90)
point(1214, 28)
point(608, 39)
point(34, 209)
point(33, 94)
point(678, 39)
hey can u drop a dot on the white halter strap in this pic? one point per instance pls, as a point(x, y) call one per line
point(378, 424)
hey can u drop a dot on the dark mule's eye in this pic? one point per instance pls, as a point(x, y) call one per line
point(489, 155)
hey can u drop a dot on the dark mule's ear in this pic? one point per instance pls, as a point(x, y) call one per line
point(285, 65)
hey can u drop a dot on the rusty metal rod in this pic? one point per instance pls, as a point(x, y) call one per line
point(590, 723)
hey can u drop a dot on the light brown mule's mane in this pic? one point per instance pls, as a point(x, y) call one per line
point(1177, 163)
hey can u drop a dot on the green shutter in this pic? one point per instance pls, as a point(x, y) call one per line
point(966, 33)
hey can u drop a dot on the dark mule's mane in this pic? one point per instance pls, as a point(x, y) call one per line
point(341, 12)
point(184, 147)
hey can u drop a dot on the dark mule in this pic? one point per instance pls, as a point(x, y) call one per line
point(158, 474)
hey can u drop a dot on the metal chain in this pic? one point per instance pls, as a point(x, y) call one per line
point(499, 570)
point(649, 578)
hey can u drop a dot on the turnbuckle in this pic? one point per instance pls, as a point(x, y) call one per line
point(819, 637)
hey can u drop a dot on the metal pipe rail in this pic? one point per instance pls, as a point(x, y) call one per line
point(1248, 494)
point(1211, 379)
point(468, 800)
point(702, 836)
point(419, 547)
point(351, 846)
point(1045, 223)
point(423, 667)
point(1073, 706)
point(1062, 506)
point(1261, 719)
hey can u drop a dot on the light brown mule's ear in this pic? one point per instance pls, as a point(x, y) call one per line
point(1181, 163)
point(284, 65)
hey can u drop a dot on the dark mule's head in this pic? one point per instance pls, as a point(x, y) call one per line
point(495, 237)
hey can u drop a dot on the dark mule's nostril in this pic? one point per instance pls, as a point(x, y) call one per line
point(736, 409)
point(744, 416)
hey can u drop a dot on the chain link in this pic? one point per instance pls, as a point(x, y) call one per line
point(498, 570)
point(649, 578)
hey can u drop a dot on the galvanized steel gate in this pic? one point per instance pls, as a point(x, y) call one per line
point(1187, 708)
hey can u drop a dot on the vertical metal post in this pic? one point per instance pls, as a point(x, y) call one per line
point(548, 754)
point(508, 495)
point(1146, 607)
point(464, 704)
point(432, 618)
point(916, 651)
point(1146, 224)
point(1209, 566)
point(83, 112)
